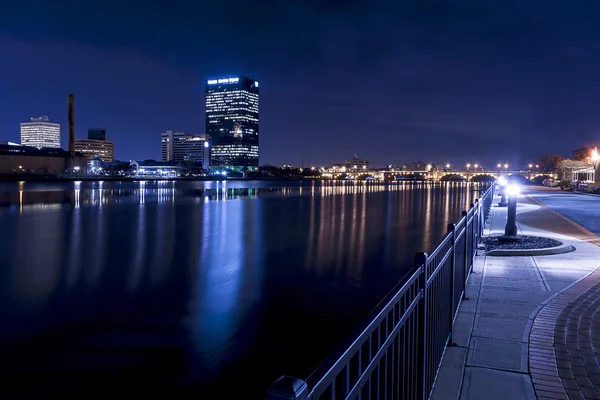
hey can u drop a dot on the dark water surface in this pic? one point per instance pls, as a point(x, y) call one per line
point(195, 287)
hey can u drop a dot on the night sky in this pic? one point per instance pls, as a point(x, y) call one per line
point(469, 80)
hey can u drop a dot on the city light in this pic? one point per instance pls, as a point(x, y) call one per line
point(205, 144)
point(447, 165)
point(468, 165)
point(499, 165)
point(530, 165)
point(476, 165)
point(505, 165)
point(513, 190)
point(502, 181)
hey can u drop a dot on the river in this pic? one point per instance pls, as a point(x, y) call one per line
point(197, 288)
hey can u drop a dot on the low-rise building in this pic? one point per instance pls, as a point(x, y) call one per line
point(93, 148)
point(16, 160)
point(183, 146)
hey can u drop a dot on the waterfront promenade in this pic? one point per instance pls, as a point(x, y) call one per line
point(530, 326)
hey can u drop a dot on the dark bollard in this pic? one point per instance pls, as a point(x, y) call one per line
point(288, 388)
point(511, 230)
point(503, 202)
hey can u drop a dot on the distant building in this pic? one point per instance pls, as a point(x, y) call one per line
point(97, 133)
point(40, 132)
point(584, 153)
point(183, 146)
point(232, 122)
point(101, 149)
point(32, 160)
point(356, 163)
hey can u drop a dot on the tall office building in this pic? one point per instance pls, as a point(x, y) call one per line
point(183, 146)
point(232, 122)
point(40, 132)
point(97, 133)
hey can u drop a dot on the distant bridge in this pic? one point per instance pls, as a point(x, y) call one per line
point(437, 175)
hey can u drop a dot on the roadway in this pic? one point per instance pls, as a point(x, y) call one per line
point(583, 209)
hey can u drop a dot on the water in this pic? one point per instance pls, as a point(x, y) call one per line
point(197, 287)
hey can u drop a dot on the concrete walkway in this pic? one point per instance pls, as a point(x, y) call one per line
point(527, 328)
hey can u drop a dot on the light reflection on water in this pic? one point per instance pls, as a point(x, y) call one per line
point(207, 281)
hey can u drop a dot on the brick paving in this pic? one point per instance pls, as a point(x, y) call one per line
point(564, 343)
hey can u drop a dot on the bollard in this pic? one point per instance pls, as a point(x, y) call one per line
point(288, 388)
point(503, 202)
point(510, 229)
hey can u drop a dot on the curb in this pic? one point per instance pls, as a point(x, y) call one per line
point(562, 249)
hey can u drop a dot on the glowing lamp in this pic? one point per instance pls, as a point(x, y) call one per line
point(513, 190)
point(502, 181)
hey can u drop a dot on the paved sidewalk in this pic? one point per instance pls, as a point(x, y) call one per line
point(527, 329)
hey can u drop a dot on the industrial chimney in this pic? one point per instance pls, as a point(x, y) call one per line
point(71, 126)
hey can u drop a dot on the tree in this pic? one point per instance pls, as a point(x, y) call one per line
point(567, 167)
point(549, 162)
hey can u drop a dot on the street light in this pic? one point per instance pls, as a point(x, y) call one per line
point(506, 166)
point(468, 166)
point(530, 166)
point(476, 166)
point(447, 165)
point(498, 165)
point(595, 158)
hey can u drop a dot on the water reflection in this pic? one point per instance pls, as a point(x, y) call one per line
point(226, 278)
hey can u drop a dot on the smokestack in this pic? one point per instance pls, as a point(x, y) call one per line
point(71, 125)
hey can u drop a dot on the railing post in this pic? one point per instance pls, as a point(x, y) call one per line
point(452, 230)
point(476, 216)
point(288, 388)
point(465, 214)
point(420, 260)
point(470, 256)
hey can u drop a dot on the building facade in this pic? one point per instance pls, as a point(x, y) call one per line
point(16, 160)
point(357, 163)
point(183, 146)
point(97, 133)
point(91, 148)
point(40, 132)
point(232, 123)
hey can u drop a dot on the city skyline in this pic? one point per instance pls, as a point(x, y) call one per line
point(393, 82)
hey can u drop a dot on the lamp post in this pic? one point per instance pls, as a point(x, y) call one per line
point(502, 183)
point(595, 157)
point(511, 230)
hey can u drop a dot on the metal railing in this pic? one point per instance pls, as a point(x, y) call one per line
point(398, 353)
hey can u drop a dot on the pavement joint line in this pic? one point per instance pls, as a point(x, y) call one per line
point(499, 369)
point(544, 282)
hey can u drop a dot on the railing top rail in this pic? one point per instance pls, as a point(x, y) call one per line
point(381, 311)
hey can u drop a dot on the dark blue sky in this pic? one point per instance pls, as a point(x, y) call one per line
point(476, 80)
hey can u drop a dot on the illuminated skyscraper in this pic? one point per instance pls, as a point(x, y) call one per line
point(40, 132)
point(232, 122)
